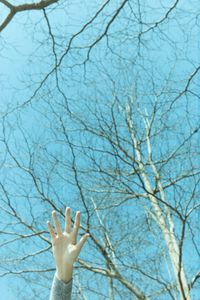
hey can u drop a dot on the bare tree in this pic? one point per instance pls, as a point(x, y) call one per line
point(110, 125)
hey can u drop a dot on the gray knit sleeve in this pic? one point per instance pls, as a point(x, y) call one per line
point(60, 290)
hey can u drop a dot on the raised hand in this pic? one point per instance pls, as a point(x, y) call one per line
point(64, 244)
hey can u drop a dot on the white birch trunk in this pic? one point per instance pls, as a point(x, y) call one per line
point(168, 233)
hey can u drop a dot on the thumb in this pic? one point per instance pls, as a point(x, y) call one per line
point(82, 242)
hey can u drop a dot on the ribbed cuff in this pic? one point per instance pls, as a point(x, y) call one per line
point(60, 290)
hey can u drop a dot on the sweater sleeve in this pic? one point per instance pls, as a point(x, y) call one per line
point(60, 290)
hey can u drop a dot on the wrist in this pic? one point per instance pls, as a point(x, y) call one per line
point(64, 273)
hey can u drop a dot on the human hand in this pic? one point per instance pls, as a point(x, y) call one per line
point(64, 244)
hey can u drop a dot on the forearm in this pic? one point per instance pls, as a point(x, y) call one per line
point(60, 290)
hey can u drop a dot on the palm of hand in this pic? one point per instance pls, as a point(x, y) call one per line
point(64, 249)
